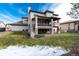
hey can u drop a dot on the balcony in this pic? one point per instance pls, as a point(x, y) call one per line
point(44, 24)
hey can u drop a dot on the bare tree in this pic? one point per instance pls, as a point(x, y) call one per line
point(74, 12)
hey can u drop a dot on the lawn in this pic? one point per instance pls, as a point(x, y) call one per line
point(65, 40)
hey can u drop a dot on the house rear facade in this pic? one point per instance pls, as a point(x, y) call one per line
point(42, 23)
point(38, 23)
point(70, 26)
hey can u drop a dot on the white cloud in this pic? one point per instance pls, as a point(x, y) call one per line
point(62, 10)
point(45, 7)
point(8, 18)
point(49, 6)
point(53, 6)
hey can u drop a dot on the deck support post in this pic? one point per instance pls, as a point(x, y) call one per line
point(36, 25)
point(52, 26)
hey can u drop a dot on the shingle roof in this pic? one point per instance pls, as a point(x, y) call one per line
point(44, 12)
point(19, 23)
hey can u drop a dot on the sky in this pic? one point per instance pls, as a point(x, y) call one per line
point(12, 12)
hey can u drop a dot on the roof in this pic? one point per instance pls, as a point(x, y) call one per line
point(56, 14)
point(70, 21)
point(2, 22)
point(19, 23)
point(44, 12)
point(36, 11)
point(48, 11)
point(24, 17)
point(48, 17)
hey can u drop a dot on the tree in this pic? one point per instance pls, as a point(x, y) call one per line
point(74, 12)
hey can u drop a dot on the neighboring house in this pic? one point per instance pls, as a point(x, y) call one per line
point(2, 26)
point(69, 26)
point(8, 27)
point(18, 26)
point(43, 23)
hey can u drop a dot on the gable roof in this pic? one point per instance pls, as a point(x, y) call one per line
point(2, 22)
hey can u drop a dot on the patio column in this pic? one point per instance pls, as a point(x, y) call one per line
point(52, 26)
point(36, 25)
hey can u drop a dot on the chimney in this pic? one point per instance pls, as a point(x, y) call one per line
point(29, 8)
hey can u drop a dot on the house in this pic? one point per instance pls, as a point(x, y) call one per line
point(42, 23)
point(38, 23)
point(70, 26)
point(18, 26)
point(2, 26)
point(8, 27)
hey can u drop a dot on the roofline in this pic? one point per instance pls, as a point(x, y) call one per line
point(44, 12)
point(69, 22)
point(25, 17)
point(48, 11)
point(48, 17)
point(19, 24)
point(3, 23)
point(56, 14)
point(41, 12)
point(36, 11)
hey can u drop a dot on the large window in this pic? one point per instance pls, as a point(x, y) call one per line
point(44, 31)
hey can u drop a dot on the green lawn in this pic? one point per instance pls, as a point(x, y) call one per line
point(65, 40)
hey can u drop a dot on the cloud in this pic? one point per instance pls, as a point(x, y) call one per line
point(21, 11)
point(62, 10)
point(45, 7)
point(49, 6)
point(11, 14)
point(53, 6)
point(8, 18)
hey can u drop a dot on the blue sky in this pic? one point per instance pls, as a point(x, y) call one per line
point(12, 12)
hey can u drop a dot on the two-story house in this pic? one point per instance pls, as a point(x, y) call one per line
point(42, 23)
point(38, 23)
